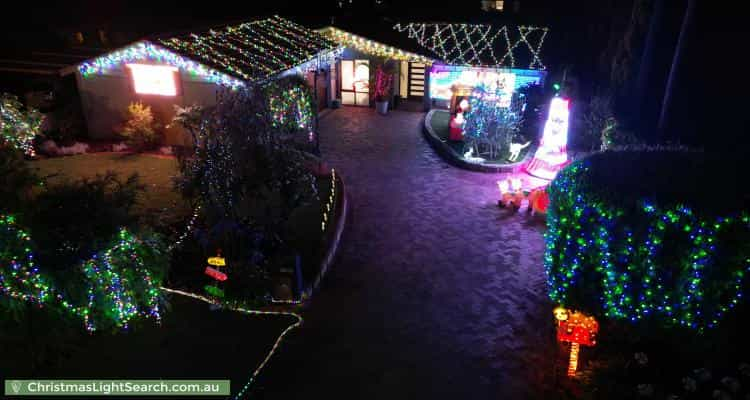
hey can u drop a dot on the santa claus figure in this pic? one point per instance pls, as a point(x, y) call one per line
point(458, 121)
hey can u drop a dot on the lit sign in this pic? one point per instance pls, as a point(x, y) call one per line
point(154, 79)
point(214, 291)
point(216, 274)
point(444, 78)
point(217, 261)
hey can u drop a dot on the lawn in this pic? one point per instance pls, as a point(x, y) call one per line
point(156, 173)
point(192, 342)
point(440, 125)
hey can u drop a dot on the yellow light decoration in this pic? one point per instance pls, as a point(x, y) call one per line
point(573, 363)
point(372, 47)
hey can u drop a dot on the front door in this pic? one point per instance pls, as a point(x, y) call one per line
point(416, 81)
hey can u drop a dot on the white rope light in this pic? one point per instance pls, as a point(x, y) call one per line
point(371, 47)
point(276, 344)
point(475, 44)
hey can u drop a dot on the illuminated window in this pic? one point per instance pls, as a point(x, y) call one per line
point(499, 5)
point(154, 79)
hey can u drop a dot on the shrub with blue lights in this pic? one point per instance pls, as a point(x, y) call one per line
point(649, 235)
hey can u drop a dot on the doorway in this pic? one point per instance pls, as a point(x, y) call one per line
point(416, 81)
point(355, 82)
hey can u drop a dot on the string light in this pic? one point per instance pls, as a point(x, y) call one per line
point(148, 51)
point(475, 44)
point(291, 108)
point(254, 375)
point(119, 286)
point(231, 56)
point(589, 243)
point(372, 47)
point(18, 127)
point(330, 205)
point(256, 50)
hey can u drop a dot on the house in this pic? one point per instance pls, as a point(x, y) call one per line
point(435, 62)
point(194, 68)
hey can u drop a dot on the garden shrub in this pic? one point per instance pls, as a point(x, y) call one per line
point(249, 177)
point(16, 180)
point(117, 283)
point(490, 128)
point(645, 236)
point(141, 129)
point(291, 104)
point(18, 125)
point(72, 219)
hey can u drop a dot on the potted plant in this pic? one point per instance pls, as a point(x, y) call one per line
point(383, 86)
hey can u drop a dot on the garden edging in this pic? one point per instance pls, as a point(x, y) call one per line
point(333, 246)
point(452, 158)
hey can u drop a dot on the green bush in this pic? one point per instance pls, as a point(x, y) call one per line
point(72, 219)
point(640, 236)
point(16, 180)
point(18, 125)
point(141, 129)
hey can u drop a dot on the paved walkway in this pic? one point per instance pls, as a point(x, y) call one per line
point(436, 293)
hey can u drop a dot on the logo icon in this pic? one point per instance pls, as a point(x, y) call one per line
point(16, 386)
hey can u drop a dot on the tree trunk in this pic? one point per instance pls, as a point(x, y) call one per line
point(687, 21)
point(646, 64)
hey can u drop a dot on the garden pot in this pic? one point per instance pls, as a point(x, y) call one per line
point(382, 107)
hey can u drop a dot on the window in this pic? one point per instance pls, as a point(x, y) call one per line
point(493, 5)
point(154, 79)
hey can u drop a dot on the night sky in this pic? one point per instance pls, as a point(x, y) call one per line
point(710, 88)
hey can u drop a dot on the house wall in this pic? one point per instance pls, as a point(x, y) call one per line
point(349, 53)
point(105, 99)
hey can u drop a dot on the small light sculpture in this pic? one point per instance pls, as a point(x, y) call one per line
point(552, 154)
point(577, 329)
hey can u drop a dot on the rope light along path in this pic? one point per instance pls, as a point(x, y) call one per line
point(276, 344)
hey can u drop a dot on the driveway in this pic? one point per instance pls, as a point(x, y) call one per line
point(436, 292)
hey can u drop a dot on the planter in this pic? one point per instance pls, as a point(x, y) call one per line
point(382, 107)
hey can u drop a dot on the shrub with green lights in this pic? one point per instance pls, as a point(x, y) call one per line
point(643, 235)
point(113, 288)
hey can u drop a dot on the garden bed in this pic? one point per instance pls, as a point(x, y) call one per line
point(436, 130)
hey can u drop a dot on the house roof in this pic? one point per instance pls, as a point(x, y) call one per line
point(229, 54)
point(252, 50)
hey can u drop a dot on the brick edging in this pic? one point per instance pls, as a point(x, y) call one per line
point(450, 156)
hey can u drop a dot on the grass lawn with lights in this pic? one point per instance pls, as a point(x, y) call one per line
point(440, 125)
point(192, 342)
point(155, 173)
